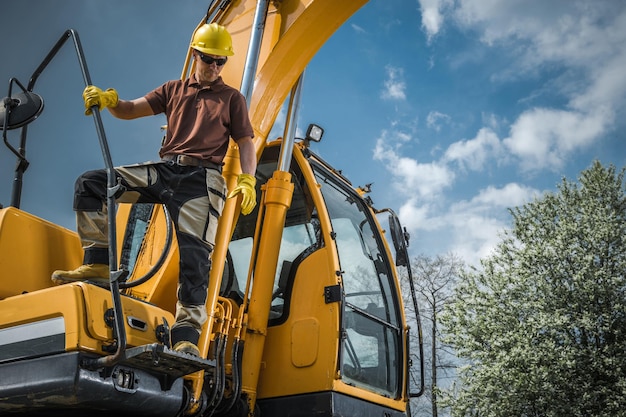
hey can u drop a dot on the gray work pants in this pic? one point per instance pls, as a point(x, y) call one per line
point(194, 196)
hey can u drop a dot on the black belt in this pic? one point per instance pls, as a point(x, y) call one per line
point(190, 161)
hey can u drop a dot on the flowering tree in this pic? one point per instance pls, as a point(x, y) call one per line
point(541, 324)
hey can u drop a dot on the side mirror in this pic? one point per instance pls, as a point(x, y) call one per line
point(19, 110)
point(400, 238)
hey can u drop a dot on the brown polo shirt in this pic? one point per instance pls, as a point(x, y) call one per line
point(200, 120)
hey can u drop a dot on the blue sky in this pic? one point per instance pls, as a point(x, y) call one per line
point(454, 110)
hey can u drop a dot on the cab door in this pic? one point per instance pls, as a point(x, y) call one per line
point(371, 354)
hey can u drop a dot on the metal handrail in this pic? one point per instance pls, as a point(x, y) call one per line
point(113, 186)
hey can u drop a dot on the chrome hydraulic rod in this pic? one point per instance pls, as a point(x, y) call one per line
point(289, 135)
point(254, 49)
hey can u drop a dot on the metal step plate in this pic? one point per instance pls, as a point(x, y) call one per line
point(160, 359)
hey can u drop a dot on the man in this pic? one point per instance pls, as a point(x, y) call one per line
point(202, 114)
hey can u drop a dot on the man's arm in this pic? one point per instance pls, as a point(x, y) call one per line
point(247, 155)
point(122, 109)
point(132, 109)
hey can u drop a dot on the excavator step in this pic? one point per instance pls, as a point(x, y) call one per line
point(156, 358)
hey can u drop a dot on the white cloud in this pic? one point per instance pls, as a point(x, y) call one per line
point(402, 136)
point(607, 83)
point(479, 222)
point(585, 38)
point(357, 28)
point(469, 228)
point(426, 180)
point(394, 84)
point(578, 36)
point(544, 138)
point(491, 120)
point(573, 52)
point(511, 195)
point(474, 236)
point(432, 16)
point(414, 216)
point(435, 118)
point(474, 153)
point(572, 31)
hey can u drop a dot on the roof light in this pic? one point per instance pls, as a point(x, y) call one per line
point(314, 133)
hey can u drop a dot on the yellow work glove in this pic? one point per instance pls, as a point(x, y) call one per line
point(94, 96)
point(245, 187)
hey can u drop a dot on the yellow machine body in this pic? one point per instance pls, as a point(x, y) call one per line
point(304, 303)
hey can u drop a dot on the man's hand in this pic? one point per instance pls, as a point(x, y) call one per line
point(94, 96)
point(245, 187)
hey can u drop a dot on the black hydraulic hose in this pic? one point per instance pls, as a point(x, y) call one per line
point(219, 381)
point(166, 249)
point(212, 395)
point(221, 372)
point(237, 365)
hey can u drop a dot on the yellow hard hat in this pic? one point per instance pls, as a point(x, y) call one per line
point(213, 39)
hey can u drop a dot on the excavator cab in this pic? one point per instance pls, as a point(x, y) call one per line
point(334, 278)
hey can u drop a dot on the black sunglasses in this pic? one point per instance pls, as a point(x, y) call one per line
point(209, 60)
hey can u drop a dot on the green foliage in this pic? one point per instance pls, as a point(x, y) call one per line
point(541, 324)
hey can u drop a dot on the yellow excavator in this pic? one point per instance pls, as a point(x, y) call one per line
point(305, 307)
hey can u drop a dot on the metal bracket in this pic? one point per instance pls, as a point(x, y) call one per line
point(332, 294)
